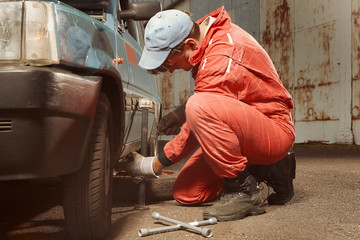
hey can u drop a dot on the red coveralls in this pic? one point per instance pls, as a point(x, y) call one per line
point(239, 116)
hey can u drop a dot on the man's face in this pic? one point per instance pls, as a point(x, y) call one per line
point(178, 61)
point(181, 60)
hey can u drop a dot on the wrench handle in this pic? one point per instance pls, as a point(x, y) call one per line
point(145, 232)
point(206, 232)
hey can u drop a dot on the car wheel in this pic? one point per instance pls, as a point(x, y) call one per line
point(88, 192)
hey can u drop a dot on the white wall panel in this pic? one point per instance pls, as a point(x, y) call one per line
point(311, 48)
point(356, 70)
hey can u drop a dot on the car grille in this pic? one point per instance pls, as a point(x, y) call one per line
point(5, 126)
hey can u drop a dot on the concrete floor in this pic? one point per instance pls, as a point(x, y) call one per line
point(326, 206)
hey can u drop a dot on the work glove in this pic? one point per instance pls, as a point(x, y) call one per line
point(171, 123)
point(141, 167)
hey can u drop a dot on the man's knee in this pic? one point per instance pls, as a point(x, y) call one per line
point(184, 200)
point(192, 193)
point(185, 192)
point(188, 199)
point(184, 196)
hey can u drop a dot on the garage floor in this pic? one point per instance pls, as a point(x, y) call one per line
point(326, 205)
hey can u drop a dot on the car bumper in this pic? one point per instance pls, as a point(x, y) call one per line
point(45, 121)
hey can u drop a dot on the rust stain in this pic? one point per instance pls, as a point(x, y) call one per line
point(326, 36)
point(305, 100)
point(322, 84)
point(309, 109)
point(282, 21)
point(313, 84)
point(304, 96)
point(303, 81)
point(356, 108)
point(356, 38)
point(167, 93)
point(356, 63)
point(319, 11)
point(183, 96)
point(278, 41)
point(266, 36)
point(356, 78)
point(356, 113)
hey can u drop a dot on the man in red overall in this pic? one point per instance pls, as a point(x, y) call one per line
point(238, 122)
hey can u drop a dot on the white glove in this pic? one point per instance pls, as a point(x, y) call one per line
point(141, 167)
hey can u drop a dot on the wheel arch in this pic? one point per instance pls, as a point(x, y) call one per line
point(112, 86)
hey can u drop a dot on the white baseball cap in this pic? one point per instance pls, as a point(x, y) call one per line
point(164, 31)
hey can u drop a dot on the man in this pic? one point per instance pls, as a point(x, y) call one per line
point(238, 121)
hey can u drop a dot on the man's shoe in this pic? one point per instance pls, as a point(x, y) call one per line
point(243, 199)
point(279, 176)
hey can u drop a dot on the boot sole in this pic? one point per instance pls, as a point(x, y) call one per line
point(256, 210)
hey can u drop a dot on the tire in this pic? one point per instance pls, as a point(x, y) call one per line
point(88, 192)
point(156, 189)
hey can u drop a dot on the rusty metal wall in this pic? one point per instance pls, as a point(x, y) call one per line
point(316, 64)
point(175, 88)
point(277, 34)
point(310, 43)
point(315, 46)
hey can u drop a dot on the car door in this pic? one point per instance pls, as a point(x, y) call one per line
point(140, 85)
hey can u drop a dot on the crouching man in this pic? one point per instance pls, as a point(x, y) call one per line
point(238, 119)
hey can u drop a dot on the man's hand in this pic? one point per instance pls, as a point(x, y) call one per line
point(171, 123)
point(141, 167)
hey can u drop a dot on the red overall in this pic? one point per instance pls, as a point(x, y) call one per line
point(239, 116)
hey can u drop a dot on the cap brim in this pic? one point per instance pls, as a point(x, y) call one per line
point(152, 59)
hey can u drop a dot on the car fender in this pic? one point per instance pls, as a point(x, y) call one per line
point(113, 87)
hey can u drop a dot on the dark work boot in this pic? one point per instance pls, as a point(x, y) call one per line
point(243, 198)
point(279, 176)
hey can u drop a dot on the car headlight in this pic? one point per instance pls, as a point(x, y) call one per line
point(10, 30)
point(28, 36)
point(40, 34)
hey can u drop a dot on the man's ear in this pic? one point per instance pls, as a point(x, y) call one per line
point(191, 43)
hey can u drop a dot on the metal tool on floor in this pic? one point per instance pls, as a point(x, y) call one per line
point(206, 232)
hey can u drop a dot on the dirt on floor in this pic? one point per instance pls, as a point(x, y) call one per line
point(325, 206)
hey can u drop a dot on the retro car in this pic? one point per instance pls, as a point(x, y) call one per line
point(72, 97)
